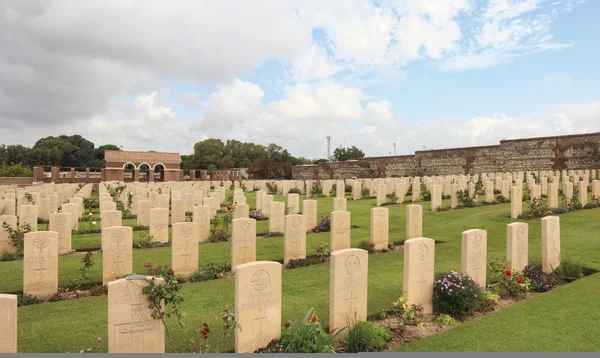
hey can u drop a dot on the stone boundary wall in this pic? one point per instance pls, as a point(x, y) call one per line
point(569, 152)
point(16, 180)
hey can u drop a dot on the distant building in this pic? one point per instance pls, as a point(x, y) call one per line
point(142, 166)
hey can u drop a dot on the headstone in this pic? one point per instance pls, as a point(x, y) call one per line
point(517, 246)
point(474, 255)
point(380, 227)
point(340, 189)
point(61, 224)
point(44, 208)
point(131, 328)
point(550, 243)
point(340, 231)
point(7, 207)
point(177, 211)
point(436, 197)
point(400, 192)
point(416, 190)
point(40, 264)
point(553, 195)
point(159, 225)
point(243, 242)
point(419, 254)
point(348, 288)
point(257, 305)
point(8, 328)
point(454, 196)
point(294, 241)
point(143, 215)
point(293, 204)
point(277, 216)
point(266, 205)
point(201, 216)
point(241, 211)
point(111, 218)
point(28, 214)
point(339, 204)
point(6, 245)
point(309, 210)
point(73, 209)
point(184, 251)
point(240, 199)
point(516, 202)
point(381, 194)
point(356, 190)
point(259, 196)
point(117, 251)
point(536, 192)
point(108, 205)
point(414, 221)
point(583, 195)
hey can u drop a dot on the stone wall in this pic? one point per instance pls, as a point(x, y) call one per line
point(570, 152)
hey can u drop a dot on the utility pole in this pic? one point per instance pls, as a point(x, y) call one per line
point(394, 149)
point(328, 148)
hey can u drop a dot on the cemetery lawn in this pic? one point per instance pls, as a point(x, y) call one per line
point(562, 320)
point(69, 326)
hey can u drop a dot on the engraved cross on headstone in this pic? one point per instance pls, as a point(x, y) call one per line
point(136, 327)
point(260, 318)
point(477, 269)
point(351, 299)
point(421, 283)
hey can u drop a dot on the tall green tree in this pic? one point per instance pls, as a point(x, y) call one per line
point(343, 154)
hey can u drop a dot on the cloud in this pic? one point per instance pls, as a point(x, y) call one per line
point(191, 100)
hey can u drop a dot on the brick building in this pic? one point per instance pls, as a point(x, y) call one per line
point(141, 166)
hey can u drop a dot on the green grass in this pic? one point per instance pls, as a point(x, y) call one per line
point(71, 325)
point(562, 320)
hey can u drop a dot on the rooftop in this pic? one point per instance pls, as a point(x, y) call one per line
point(139, 157)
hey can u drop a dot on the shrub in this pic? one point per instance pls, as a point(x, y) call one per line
point(324, 225)
point(466, 200)
point(539, 208)
point(365, 193)
point(15, 170)
point(17, 237)
point(24, 299)
point(295, 191)
point(568, 271)
point(255, 188)
point(292, 264)
point(317, 188)
point(506, 282)
point(410, 314)
point(272, 188)
point(209, 271)
point(257, 215)
point(445, 320)
point(392, 198)
point(425, 195)
point(365, 336)
point(367, 245)
point(307, 337)
point(456, 294)
point(90, 203)
point(321, 252)
point(274, 234)
point(540, 281)
point(141, 241)
point(501, 199)
point(348, 188)
point(99, 290)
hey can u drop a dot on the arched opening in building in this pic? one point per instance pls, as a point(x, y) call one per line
point(144, 168)
point(159, 173)
point(128, 170)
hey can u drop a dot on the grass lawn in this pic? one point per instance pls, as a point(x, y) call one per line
point(68, 326)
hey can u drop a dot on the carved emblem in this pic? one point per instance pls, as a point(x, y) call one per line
point(352, 264)
point(477, 241)
point(296, 222)
point(41, 242)
point(61, 220)
point(422, 252)
point(260, 280)
point(185, 232)
point(117, 236)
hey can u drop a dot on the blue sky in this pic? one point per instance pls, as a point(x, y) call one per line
point(436, 73)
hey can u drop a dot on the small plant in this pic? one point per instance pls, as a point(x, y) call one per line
point(292, 264)
point(141, 241)
point(367, 245)
point(75, 284)
point(322, 253)
point(257, 215)
point(467, 200)
point(29, 198)
point(506, 282)
point(209, 271)
point(274, 234)
point(317, 188)
point(410, 314)
point(220, 229)
point(295, 191)
point(17, 237)
point(425, 195)
point(540, 281)
point(272, 188)
point(99, 290)
point(24, 299)
point(307, 337)
point(365, 336)
point(255, 188)
point(501, 199)
point(392, 198)
point(445, 320)
point(456, 294)
point(365, 193)
point(568, 271)
point(324, 225)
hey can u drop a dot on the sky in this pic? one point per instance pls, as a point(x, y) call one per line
point(431, 74)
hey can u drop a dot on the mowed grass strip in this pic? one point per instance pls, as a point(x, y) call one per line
point(71, 325)
point(562, 320)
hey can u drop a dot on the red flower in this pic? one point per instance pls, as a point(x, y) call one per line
point(228, 207)
point(170, 272)
point(519, 280)
point(508, 273)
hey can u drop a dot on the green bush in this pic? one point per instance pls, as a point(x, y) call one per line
point(364, 337)
point(209, 271)
point(13, 171)
point(568, 271)
point(445, 320)
point(307, 337)
point(456, 294)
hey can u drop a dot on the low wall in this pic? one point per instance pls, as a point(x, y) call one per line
point(570, 152)
point(16, 180)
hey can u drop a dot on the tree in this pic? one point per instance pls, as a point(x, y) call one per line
point(264, 168)
point(101, 149)
point(351, 153)
point(208, 152)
